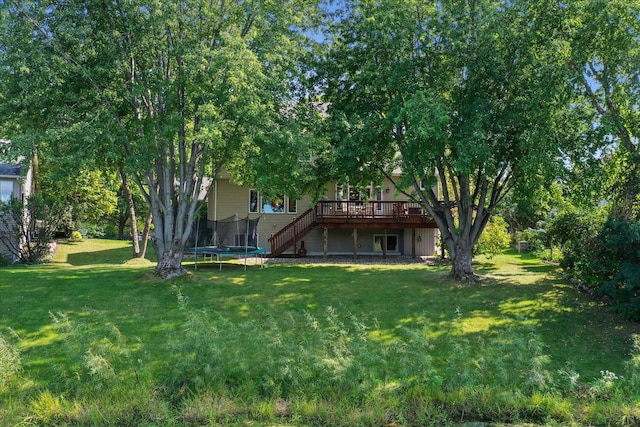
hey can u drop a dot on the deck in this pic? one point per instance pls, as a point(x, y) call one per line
point(373, 214)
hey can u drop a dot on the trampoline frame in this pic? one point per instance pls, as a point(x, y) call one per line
point(226, 250)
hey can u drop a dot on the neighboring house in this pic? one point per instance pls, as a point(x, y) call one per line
point(15, 182)
point(345, 222)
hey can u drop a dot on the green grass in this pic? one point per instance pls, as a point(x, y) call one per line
point(102, 342)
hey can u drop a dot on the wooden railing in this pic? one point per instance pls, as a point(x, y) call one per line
point(372, 209)
point(292, 233)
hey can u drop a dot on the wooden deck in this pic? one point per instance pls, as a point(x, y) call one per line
point(375, 214)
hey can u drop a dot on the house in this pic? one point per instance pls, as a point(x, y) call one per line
point(15, 182)
point(345, 222)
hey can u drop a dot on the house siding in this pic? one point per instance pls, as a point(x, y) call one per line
point(22, 184)
point(228, 199)
point(234, 200)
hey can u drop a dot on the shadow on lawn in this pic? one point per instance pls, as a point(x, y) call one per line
point(114, 256)
point(573, 329)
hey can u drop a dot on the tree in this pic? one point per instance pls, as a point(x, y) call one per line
point(174, 90)
point(88, 194)
point(495, 238)
point(461, 94)
point(603, 39)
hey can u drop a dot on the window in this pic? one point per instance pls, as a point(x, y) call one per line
point(274, 204)
point(351, 193)
point(6, 190)
point(392, 242)
point(271, 204)
point(253, 201)
point(292, 206)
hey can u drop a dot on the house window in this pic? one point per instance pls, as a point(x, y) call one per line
point(254, 207)
point(274, 204)
point(6, 190)
point(392, 242)
point(292, 206)
point(351, 193)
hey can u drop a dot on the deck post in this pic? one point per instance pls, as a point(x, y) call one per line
point(384, 244)
point(355, 243)
point(413, 243)
point(325, 236)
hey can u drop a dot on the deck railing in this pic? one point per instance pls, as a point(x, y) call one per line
point(292, 233)
point(352, 211)
point(372, 209)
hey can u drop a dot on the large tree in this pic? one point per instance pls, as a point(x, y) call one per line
point(603, 38)
point(459, 94)
point(174, 90)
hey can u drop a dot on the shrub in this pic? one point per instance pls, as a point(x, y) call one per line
point(494, 238)
point(76, 236)
point(536, 238)
point(32, 228)
point(577, 233)
point(618, 265)
point(5, 261)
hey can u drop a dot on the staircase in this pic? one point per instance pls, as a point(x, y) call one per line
point(292, 233)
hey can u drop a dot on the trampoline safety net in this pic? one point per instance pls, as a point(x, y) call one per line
point(228, 232)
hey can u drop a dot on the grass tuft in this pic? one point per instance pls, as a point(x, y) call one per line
point(101, 343)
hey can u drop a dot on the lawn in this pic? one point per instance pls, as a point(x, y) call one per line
point(101, 341)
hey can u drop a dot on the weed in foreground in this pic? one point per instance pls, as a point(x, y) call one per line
point(332, 370)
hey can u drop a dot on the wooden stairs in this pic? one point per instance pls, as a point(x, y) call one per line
point(291, 234)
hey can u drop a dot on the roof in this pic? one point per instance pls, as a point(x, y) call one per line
point(7, 169)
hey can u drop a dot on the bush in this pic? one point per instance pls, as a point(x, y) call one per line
point(536, 238)
point(576, 233)
point(76, 236)
point(618, 264)
point(5, 261)
point(33, 228)
point(494, 238)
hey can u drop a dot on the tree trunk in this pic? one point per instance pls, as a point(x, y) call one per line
point(170, 263)
point(145, 235)
point(128, 196)
point(122, 223)
point(461, 261)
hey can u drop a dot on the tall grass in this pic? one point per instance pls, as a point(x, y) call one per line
point(10, 362)
point(322, 364)
point(300, 369)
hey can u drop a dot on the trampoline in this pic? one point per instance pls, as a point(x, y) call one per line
point(219, 251)
point(232, 236)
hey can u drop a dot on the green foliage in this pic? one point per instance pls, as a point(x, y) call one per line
point(76, 236)
point(436, 92)
point(89, 193)
point(576, 233)
point(606, 257)
point(536, 239)
point(533, 202)
point(5, 260)
point(604, 52)
point(171, 91)
point(494, 238)
point(618, 265)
